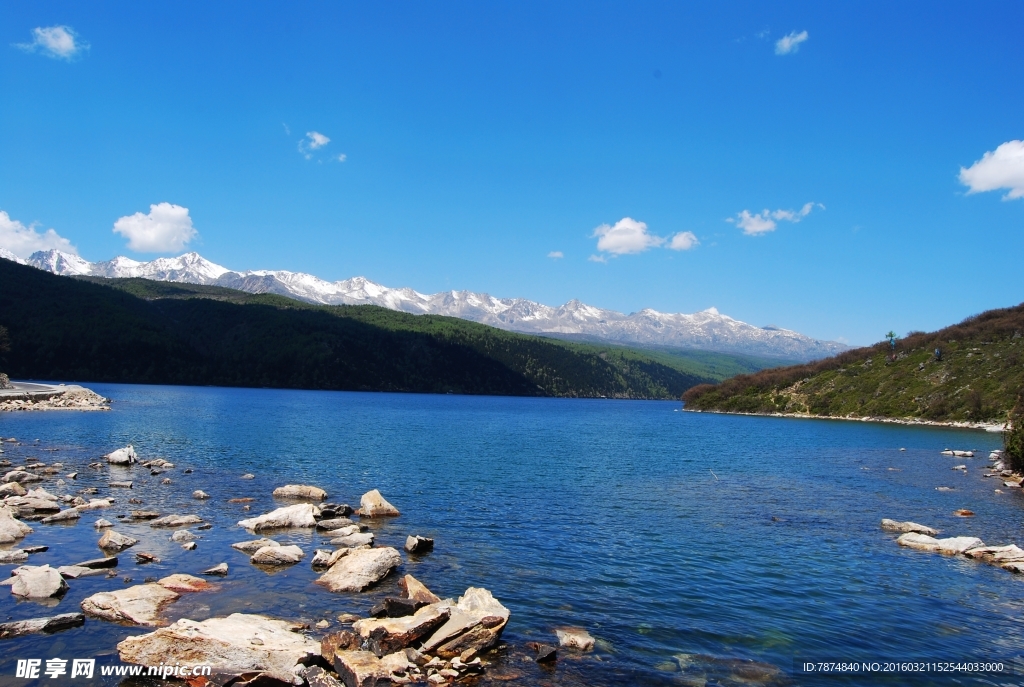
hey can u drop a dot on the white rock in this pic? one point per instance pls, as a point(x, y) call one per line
point(360, 568)
point(251, 547)
point(299, 515)
point(372, 505)
point(115, 541)
point(300, 491)
point(895, 526)
point(354, 540)
point(138, 605)
point(102, 522)
point(38, 582)
point(122, 456)
point(238, 644)
point(277, 555)
point(574, 638)
point(11, 529)
point(180, 536)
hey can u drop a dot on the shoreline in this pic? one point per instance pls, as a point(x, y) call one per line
point(993, 427)
point(51, 397)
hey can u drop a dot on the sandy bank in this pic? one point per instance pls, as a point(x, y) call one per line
point(987, 426)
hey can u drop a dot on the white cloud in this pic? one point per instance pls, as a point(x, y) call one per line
point(167, 228)
point(684, 240)
point(625, 237)
point(59, 42)
point(597, 258)
point(24, 241)
point(313, 140)
point(1002, 168)
point(791, 43)
point(342, 157)
point(762, 222)
point(556, 254)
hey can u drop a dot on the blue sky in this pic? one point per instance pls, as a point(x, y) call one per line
point(480, 138)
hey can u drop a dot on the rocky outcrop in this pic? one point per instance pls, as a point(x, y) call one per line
point(299, 515)
point(386, 635)
point(895, 526)
point(475, 623)
point(261, 648)
point(360, 569)
point(277, 555)
point(300, 491)
point(373, 505)
point(122, 456)
point(950, 545)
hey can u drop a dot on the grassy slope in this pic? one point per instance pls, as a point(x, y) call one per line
point(153, 332)
point(978, 378)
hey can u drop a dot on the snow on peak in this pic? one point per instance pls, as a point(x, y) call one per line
point(8, 255)
point(708, 329)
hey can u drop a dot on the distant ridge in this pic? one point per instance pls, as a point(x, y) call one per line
point(706, 330)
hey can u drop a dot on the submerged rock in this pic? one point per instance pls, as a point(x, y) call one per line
point(360, 569)
point(574, 638)
point(114, 541)
point(373, 505)
point(240, 644)
point(300, 491)
point(200, 494)
point(277, 555)
point(180, 582)
point(122, 456)
point(48, 626)
point(299, 515)
point(907, 526)
point(950, 545)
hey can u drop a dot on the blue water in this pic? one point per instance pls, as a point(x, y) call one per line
point(661, 532)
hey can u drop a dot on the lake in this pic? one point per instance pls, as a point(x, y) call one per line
point(687, 544)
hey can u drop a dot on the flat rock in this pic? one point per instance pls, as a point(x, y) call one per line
point(950, 545)
point(896, 526)
point(417, 544)
point(99, 563)
point(38, 582)
point(21, 477)
point(176, 521)
point(360, 569)
point(220, 570)
point(277, 555)
point(47, 626)
point(240, 644)
point(300, 491)
point(345, 531)
point(334, 524)
point(122, 456)
point(73, 572)
point(11, 529)
point(373, 505)
point(138, 605)
point(252, 546)
point(417, 591)
point(574, 638)
point(354, 540)
point(144, 515)
point(299, 515)
point(65, 515)
point(95, 504)
point(10, 556)
point(386, 635)
point(121, 484)
point(360, 668)
point(180, 582)
point(997, 554)
point(114, 541)
point(12, 489)
point(28, 504)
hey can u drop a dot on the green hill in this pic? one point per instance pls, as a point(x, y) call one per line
point(133, 330)
point(976, 379)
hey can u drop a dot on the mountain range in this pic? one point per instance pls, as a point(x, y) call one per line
point(705, 330)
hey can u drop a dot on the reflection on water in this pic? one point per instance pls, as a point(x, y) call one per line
point(697, 549)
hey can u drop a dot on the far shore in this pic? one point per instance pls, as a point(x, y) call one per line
point(986, 426)
point(33, 396)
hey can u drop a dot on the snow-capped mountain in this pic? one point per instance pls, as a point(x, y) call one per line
point(708, 329)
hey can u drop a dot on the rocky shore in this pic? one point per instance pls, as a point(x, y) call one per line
point(70, 397)
point(415, 636)
point(911, 421)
